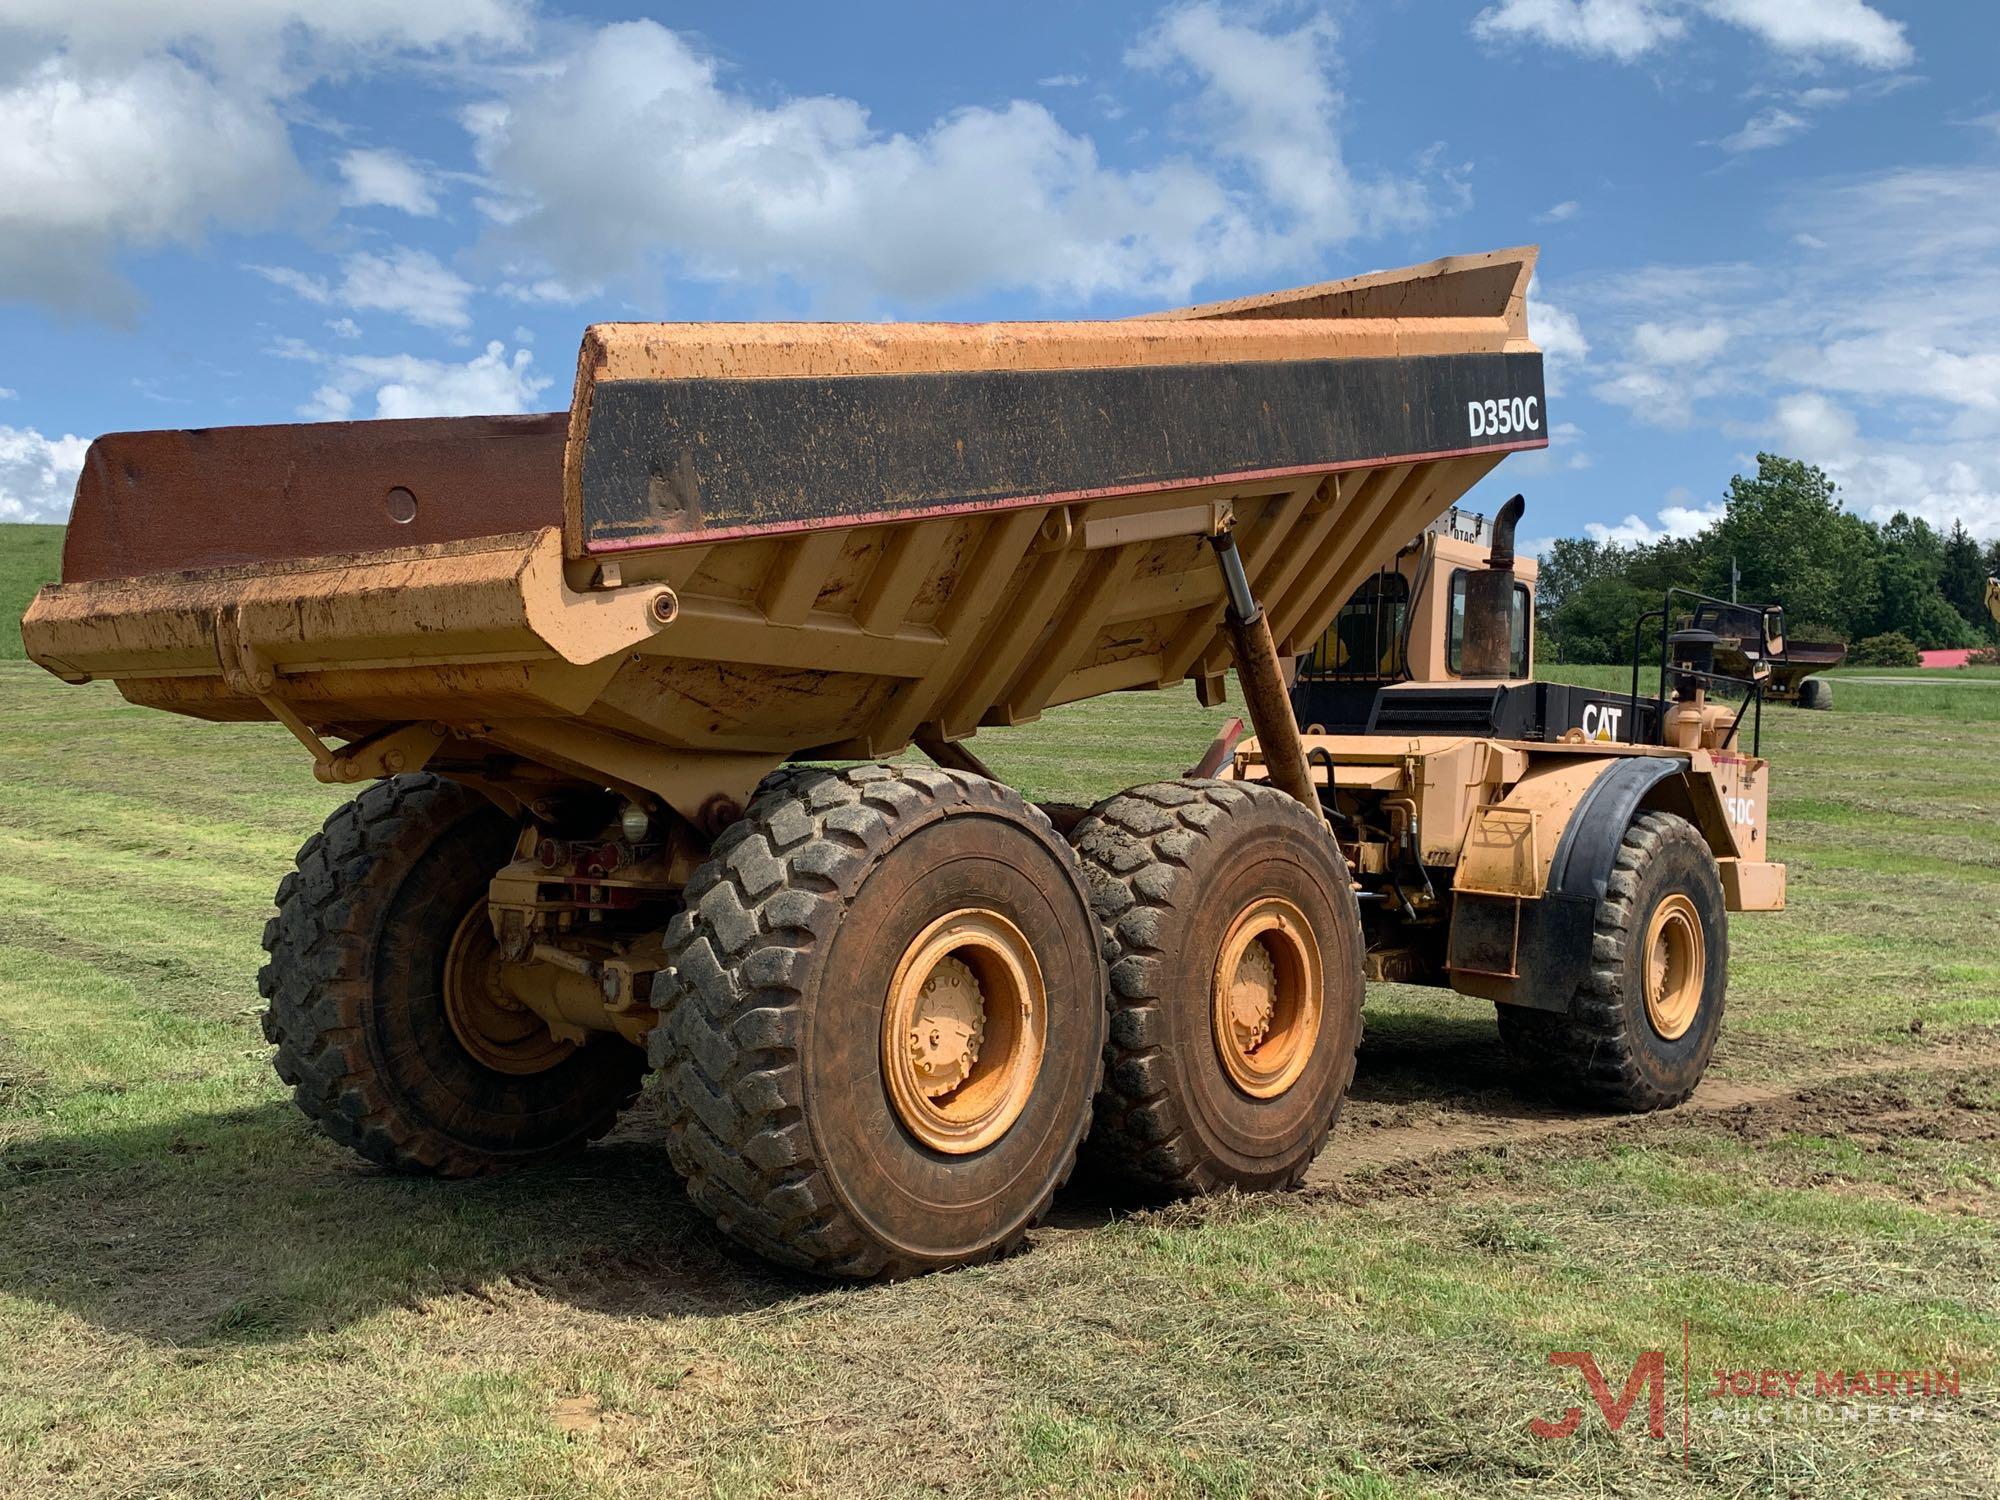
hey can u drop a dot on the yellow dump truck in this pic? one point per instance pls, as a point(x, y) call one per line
point(622, 691)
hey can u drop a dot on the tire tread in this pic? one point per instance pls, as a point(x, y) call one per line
point(728, 1051)
point(1589, 1051)
point(1138, 848)
point(317, 984)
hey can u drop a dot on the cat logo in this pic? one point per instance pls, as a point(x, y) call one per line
point(1600, 722)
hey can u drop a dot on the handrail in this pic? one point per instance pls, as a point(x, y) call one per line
point(1753, 686)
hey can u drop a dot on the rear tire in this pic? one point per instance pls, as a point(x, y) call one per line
point(1235, 951)
point(366, 926)
point(1662, 932)
point(887, 1022)
point(1816, 693)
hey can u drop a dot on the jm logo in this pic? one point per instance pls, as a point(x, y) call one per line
point(1649, 1374)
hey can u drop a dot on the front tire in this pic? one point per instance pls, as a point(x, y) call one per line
point(1235, 950)
point(382, 922)
point(1643, 1024)
point(887, 1022)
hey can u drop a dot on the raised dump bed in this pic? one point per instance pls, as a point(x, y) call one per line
point(751, 541)
point(569, 651)
point(1793, 678)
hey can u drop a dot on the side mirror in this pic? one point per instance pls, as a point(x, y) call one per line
point(1774, 631)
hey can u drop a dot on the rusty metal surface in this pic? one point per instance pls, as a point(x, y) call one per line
point(1270, 707)
point(158, 502)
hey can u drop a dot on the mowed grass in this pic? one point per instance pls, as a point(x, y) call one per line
point(29, 557)
point(199, 1296)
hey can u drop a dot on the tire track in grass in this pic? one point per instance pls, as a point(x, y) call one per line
point(1357, 1150)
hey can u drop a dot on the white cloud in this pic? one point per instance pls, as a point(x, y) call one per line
point(1880, 475)
point(1566, 443)
point(1850, 29)
point(404, 385)
point(1560, 335)
point(1810, 426)
point(298, 283)
point(232, 30)
point(1667, 369)
point(1766, 129)
point(141, 155)
point(143, 125)
point(387, 179)
point(298, 350)
point(1565, 451)
point(1678, 518)
point(1659, 398)
point(344, 328)
point(1679, 343)
point(1626, 30)
point(629, 154)
point(1797, 112)
point(1874, 352)
point(1684, 519)
point(410, 283)
point(549, 290)
point(38, 474)
point(8, 393)
point(1268, 102)
point(1560, 213)
point(1061, 81)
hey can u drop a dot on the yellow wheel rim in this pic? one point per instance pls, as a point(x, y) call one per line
point(963, 1029)
point(1676, 966)
point(1266, 997)
point(498, 1030)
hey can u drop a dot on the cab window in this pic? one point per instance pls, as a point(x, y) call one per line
point(1366, 637)
point(1517, 630)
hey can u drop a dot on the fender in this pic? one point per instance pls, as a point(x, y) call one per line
point(1589, 845)
point(1552, 947)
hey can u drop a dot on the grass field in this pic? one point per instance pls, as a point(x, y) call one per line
point(198, 1296)
point(29, 557)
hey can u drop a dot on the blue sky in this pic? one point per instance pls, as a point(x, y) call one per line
point(1765, 223)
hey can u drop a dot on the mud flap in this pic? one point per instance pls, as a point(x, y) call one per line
point(1540, 949)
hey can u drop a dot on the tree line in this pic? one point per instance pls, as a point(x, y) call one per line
point(1886, 588)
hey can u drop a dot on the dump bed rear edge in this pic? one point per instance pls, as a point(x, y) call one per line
point(216, 497)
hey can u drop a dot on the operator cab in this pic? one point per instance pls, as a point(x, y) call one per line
point(1410, 652)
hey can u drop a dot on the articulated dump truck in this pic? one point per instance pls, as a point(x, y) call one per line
point(624, 693)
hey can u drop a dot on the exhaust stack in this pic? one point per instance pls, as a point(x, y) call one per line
point(1489, 602)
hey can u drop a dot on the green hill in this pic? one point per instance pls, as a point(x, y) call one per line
point(30, 556)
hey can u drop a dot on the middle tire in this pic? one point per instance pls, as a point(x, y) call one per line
point(1235, 951)
point(886, 1021)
